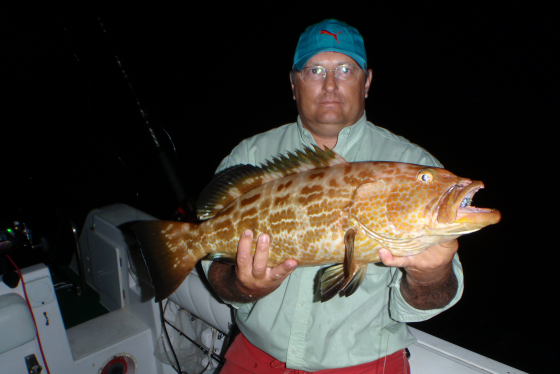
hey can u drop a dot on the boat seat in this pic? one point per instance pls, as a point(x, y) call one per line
point(194, 296)
point(16, 323)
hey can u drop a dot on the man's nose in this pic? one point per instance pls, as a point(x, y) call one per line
point(330, 83)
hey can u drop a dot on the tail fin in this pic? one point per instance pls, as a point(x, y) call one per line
point(165, 252)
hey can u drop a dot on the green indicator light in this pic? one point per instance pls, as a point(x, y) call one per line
point(9, 230)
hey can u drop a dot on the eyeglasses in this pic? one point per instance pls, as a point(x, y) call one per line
point(314, 75)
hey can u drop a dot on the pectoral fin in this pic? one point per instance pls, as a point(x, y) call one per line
point(346, 277)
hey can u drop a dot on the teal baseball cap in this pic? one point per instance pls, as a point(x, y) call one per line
point(330, 35)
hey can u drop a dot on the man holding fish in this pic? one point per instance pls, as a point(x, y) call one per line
point(283, 325)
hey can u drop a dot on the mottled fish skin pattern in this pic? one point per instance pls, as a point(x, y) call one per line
point(306, 215)
point(307, 204)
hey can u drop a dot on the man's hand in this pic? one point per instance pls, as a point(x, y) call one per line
point(251, 279)
point(252, 272)
point(426, 266)
point(430, 282)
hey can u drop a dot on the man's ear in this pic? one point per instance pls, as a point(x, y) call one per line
point(293, 84)
point(368, 80)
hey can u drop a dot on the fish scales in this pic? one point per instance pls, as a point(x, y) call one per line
point(331, 212)
point(302, 213)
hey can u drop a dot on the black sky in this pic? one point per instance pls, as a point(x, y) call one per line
point(473, 85)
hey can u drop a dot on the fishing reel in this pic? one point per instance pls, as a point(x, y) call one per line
point(12, 239)
point(19, 237)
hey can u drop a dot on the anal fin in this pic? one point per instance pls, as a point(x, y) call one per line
point(343, 278)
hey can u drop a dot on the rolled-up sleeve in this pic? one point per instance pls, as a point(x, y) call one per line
point(206, 267)
point(401, 311)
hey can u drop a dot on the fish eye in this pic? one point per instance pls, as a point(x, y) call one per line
point(425, 175)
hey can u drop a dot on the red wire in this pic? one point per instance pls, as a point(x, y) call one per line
point(31, 310)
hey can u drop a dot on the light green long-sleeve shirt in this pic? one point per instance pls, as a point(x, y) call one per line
point(344, 331)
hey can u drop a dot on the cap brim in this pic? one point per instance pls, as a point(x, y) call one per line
point(303, 60)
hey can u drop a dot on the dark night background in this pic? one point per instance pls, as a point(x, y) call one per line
point(473, 85)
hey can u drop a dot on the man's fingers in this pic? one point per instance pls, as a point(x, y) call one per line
point(252, 269)
point(433, 258)
point(389, 260)
point(284, 269)
point(261, 256)
point(244, 258)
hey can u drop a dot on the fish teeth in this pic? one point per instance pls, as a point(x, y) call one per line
point(466, 202)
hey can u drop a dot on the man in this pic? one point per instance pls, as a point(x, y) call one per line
point(281, 325)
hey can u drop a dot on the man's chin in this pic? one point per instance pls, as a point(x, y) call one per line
point(331, 118)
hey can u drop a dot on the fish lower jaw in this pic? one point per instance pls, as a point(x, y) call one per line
point(468, 219)
point(476, 215)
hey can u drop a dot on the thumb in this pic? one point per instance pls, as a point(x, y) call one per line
point(385, 255)
point(388, 259)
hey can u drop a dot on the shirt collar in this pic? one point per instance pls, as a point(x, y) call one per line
point(346, 138)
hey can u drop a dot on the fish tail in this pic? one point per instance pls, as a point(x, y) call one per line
point(165, 248)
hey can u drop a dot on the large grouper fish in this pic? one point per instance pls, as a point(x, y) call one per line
point(317, 209)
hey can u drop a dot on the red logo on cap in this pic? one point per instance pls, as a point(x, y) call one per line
point(331, 34)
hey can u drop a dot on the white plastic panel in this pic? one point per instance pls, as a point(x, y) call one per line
point(40, 292)
point(13, 361)
point(95, 335)
point(105, 258)
point(431, 355)
point(49, 323)
point(122, 331)
point(16, 324)
point(193, 296)
point(138, 345)
point(105, 222)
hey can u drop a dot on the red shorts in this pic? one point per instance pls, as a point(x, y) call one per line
point(244, 358)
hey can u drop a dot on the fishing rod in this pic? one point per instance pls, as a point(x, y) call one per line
point(166, 164)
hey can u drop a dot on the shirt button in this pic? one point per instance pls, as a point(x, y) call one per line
point(294, 351)
point(302, 303)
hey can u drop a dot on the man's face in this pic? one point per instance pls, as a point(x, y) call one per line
point(330, 104)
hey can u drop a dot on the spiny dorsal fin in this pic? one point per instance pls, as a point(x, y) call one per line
point(226, 187)
point(301, 161)
point(233, 182)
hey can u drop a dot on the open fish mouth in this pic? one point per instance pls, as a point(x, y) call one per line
point(456, 206)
